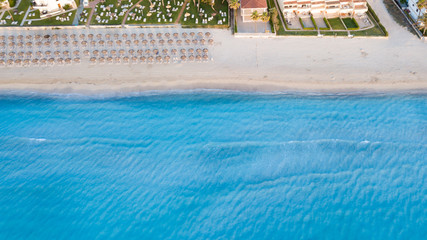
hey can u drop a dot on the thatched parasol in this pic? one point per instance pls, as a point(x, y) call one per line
point(165, 51)
point(57, 53)
point(174, 51)
point(191, 57)
point(150, 35)
point(183, 58)
point(65, 43)
point(161, 42)
point(135, 42)
point(76, 60)
point(141, 35)
point(124, 35)
point(131, 51)
point(128, 42)
point(86, 52)
point(175, 35)
point(211, 41)
point(179, 42)
point(99, 36)
point(90, 36)
point(133, 35)
point(143, 59)
point(93, 59)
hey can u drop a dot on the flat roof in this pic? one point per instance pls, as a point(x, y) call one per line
point(253, 4)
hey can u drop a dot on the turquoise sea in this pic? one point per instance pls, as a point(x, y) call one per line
point(213, 165)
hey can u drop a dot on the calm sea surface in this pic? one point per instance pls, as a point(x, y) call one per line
point(213, 166)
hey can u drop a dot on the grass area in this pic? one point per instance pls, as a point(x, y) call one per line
point(110, 12)
point(298, 33)
point(333, 33)
point(194, 17)
point(350, 23)
point(12, 3)
point(16, 14)
point(52, 21)
point(167, 13)
point(336, 24)
point(84, 16)
point(372, 32)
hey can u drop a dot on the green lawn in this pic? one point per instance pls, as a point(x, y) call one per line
point(214, 13)
point(53, 22)
point(12, 3)
point(350, 23)
point(85, 15)
point(115, 9)
point(336, 24)
point(297, 33)
point(167, 12)
point(332, 33)
point(17, 14)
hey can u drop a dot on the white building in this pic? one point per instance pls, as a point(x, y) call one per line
point(49, 8)
point(247, 7)
point(324, 8)
point(414, 12)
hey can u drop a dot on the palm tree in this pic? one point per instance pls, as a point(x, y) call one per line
point(265, 17)
point(255, 17)
point(234, 4)
point(423, 23)
point(421, 18)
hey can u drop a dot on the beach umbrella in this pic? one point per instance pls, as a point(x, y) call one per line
point(179, 42)
point(144, 42)
point(20, 44)
point(51, 60)
point(150, 58)
point(82, 36)
point(183, 51)
point(35, 60)
point(60, 60)
point(11, 38)
point(117, 59)
point(133, 35)
point(92, 59)
point(99, 36)
point(167, 58)
point(2, 38)
point(167, 35)
point(202, 41)
point(86, 52)
point(43, 60)
point(161, 42)
point(210, 41)
point(184, 34)
point(68, 60)
point(141, 35)
point(140, 51)
point(153, 42)
point(183, 58)
point(128, 42)
point(47, 44)
point(9, 62)
point(12, 54)
point(134, 59)
point(29, 37)
point(150, 35)
point(131, 51)
point(38, 44)
point(84, 43)
point(205, 50)
point(75, 43)
point(65, 43)
point(198, 57)
point(165, 51)
point(38, 37)
point(27, 61)
point(2, 54)
point(2, 62)
point(147, 52)
point(207, 34)
point(113, 52)
point(57, 53)
point(194, 41)
point(170, 41)
point(200, 34)
point(21, 54)
point(124, 35)
point(2, 44)
point(18, 61)
point(95, 52)
point(93, 43)
point(76, 52)
point(155, 51)
point(121, 52)
point(47, 53)
point(101, 59)
point(56, 43)
point(64, 36)
point(29, 54)
point(159, 35)
point(101, 42)
point(187, 41)
point(135, 42)
point(109, 59)
point(199, 51)
point(105, 52)
point(143, 59)
point(54, 36)
point(20, 37)
point(119, 42)
point(107, 36)
point(29, 44)
point(39, 54)
point(191, 50)
point(191, 57)
point(116, 35)
point(110, 43)
point(73, 36)
point(158, 58)
point(76, 60)
point(174, 51)
point(66, 53)
point(192, 34)
point(175, 35)
point(126, 59)
point(90, 36)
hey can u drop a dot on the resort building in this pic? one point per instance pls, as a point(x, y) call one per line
point(4, 4)
point(324, 8)
point(49, 8)
point(414, 11)
point(247, 7)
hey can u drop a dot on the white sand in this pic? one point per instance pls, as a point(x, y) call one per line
point(280, 64)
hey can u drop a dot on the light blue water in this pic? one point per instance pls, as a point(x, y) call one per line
point(213, 166)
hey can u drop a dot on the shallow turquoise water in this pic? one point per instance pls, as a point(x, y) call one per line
point(213, 166)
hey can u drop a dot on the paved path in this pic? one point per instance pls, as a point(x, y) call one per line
point(91, 5)
point(181, 12)
point(25, 17)
point(127, 13)
point(79, 11)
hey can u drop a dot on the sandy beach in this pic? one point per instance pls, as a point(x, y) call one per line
point(396, 63)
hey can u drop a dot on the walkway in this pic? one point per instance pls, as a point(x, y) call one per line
point(92, 5)
point(79, 11)
point(181, 12)
point(25, 17)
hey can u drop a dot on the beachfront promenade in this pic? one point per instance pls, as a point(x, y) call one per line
point(101, 46)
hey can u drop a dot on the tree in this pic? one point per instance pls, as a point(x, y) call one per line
point(265, 17)
point(423, 23)
point(255, 17)
point(234, 4)
point(421, 20)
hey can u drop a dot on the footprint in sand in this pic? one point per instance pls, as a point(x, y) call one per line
point(363, 53)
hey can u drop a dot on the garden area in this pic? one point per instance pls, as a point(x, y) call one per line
point(111, 12)
point(155, 12)
point(15, 16)
point(59, 20)
point(205, 15)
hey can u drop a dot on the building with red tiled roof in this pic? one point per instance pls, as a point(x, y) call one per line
point(247, 7)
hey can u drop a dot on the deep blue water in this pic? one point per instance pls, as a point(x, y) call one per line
point(213, 166)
